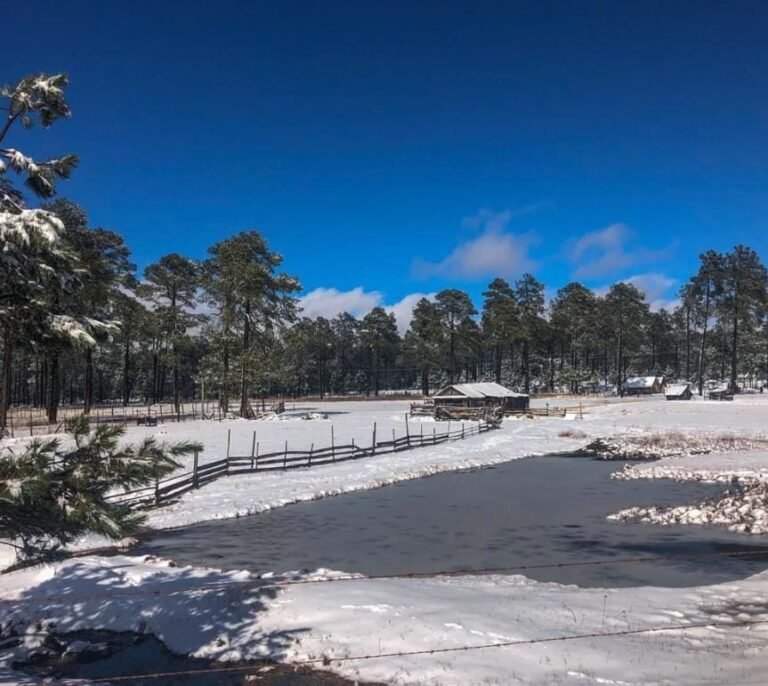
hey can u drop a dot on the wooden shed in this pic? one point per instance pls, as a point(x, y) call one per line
point(644, 385)
point(680, 391)
point(486, 395)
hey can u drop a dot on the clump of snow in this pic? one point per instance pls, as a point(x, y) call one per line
point(655, 445)
point(744, 511)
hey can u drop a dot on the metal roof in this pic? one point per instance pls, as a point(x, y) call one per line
point(677, 389)
point(642, 381)
point(478, 390)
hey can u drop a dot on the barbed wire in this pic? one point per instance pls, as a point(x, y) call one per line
point(268, 583)
point(327, 660)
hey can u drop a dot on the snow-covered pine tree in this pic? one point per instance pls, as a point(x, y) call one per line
point(53, 492)
point(37, 98)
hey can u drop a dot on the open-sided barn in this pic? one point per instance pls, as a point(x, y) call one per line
point(644, 385)
point(480, 395)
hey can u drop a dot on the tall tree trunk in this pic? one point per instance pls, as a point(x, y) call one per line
point(88, 394)
point(497, 363)
point(5, 386)
point(703, 351)
point(687, 343)
point(244, 366)
point(224, 393)
point(452, 360)
point(54, 389)
point(126, 371)
point(176, 388)
point(425, 381)
point(155, 376)
point(526, 367)
point(735, 336)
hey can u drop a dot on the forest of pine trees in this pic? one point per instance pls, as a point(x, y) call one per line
point(79, 325)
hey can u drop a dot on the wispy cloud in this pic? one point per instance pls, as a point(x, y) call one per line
point(657, 288)
point(660, 290)
point(608, 251)
point(330, 302)
point(495, 252)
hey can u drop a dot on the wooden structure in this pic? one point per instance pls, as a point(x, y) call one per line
point(644, 385)
point(720, 394)
point(475, 400)
point(678, 392)
point(170, 489)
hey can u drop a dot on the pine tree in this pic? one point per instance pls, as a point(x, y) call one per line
point(455, 308)
point(529, 293)
point(242, 280)
point(500, 320)
point(171, 284)
point(422, 340)
point(742, 300)
point(53, 492)
point(34, 99)
point(379, 335)
point(626, 312)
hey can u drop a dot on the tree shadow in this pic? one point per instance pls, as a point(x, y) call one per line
point(194, 612)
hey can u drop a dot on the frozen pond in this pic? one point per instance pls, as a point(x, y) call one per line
point(536, 511)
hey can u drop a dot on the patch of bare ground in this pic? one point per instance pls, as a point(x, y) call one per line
point(571, 433)
point(655, 445)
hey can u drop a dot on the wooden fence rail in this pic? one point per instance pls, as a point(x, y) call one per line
point(165, 490)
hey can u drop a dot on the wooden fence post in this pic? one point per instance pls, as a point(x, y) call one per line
point(256, 466)
point(285, 455)
point(462, 430)
point(333, 445)
point(373, 440)
point(229, 438)
point(195, 480)
point(253, 449)
point(157, 489)
point(407, 432)
point(434, 435)
point(354, 448)
point(394, 446)
point(311, 450)
point(421, 433)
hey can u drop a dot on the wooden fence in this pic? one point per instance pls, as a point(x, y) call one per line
point(34, 421)
point(168, 489)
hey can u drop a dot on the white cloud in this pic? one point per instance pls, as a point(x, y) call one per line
point(604, 252)
point(403, 310)
point(654, 285)
point(330, 302)
point(495, 252)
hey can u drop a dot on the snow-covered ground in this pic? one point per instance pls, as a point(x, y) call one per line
point(239, 616)
point(353, 618)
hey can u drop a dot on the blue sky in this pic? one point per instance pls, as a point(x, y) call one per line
point(391, 149)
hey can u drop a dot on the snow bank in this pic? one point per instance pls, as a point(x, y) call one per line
point(243, 617)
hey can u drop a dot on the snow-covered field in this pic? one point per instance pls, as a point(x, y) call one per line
point(645, 637)
point(362, 617)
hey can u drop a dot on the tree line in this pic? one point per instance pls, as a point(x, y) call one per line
point(79, 325)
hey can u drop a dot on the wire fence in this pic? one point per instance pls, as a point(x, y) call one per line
point(166, 490)
point(272, 583)
point(516, 643)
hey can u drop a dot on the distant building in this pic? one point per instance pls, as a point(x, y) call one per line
point(680, 391)
point(480, 395)
point(644, 385)
point(721, 393)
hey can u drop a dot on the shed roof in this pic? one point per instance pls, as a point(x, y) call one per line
point(477, 390)
point(677, 389)
point(642, 381)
